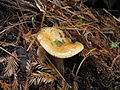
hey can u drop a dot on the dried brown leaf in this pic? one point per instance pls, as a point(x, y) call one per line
point(41, 77)
point(11, 67)
point(41, 73)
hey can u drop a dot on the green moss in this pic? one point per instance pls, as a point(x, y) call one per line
point(59, 43)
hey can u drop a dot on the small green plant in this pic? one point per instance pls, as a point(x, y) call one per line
point(80, 19)
point(114, 44)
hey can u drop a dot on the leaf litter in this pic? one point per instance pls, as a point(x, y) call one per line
point(96, 67)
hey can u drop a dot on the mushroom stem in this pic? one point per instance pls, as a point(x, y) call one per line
point(41, 54)
point(59, 64)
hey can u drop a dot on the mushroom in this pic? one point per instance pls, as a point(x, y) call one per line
point(57, 44)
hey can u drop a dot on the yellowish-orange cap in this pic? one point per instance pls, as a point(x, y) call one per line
point(57, 44)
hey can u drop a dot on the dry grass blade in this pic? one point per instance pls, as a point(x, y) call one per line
point(42, 8)
point(115, 60)
point(12, 26)
point(75, 26)
point(83, 61)
point(5, 43)
point(12, 66)
point(73, 13)
point(8, 53)
point(40, 5)
point(25, 5)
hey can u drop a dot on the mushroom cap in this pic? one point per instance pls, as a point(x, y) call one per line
point(57, 44)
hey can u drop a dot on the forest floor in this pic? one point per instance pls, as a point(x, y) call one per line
point(96, 67)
